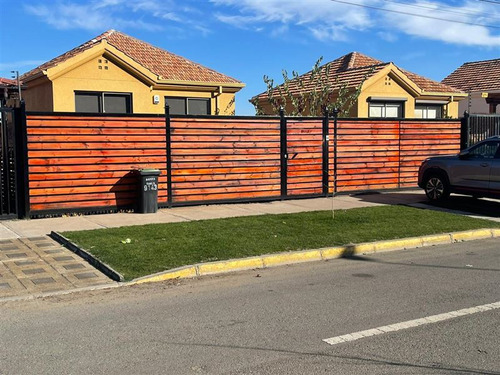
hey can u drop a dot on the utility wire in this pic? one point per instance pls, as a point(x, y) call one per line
point(416, 15)
point(491, 2)
point(465, 13)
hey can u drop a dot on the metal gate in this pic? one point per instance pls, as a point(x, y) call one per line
point(8, 168)
point(476, 128)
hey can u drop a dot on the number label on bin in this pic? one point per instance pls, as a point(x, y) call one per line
point(150, 184)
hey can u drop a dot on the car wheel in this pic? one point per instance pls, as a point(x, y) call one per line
point(436, 187)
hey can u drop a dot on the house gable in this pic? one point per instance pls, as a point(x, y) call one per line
point(117, 63)
point(102, 51)
point(388, 85)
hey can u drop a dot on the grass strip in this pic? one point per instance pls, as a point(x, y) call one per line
point(158, 247)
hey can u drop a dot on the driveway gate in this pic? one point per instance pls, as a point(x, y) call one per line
point(8, 180)
point(13, 168)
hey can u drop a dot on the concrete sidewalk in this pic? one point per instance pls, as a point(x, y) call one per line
point(12, 229)
point(38, 265)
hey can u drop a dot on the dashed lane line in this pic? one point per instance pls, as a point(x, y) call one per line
point(411, 323)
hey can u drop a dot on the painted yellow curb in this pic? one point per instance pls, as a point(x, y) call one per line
point(184, 273)
point(230, 265)
point(272, 260)
point(334, 252)
point(286, 258)
point(404, 243)
point(436, 239)
point(366, 247)
point(471, 235)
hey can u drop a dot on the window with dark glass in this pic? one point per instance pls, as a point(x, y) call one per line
point(487, 150)
point(103, 102)
point(385, 109)
point(188, 106)
point(428, 111)
point(177, 105)
point(88, 102)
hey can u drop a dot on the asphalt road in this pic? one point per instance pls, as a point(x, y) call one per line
point(486, 208)
point(273, 321)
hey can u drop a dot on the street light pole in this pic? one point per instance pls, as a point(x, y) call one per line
point(18, 82)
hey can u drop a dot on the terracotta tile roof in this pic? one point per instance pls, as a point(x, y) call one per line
point(162, 63)
point(352, 69)
point(476, 76)
point(349, 70)
point(428, 85)
point(7, 81)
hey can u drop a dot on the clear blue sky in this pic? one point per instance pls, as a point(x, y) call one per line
point(246, 39)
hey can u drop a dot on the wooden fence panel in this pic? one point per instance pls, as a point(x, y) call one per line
point(367, 155)
point(224, 159)
point(422, 139)
point(79, 162)
point(305, 157)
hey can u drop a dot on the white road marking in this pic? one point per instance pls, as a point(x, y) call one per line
point(411, 323)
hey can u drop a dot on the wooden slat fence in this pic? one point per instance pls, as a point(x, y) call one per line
point(420, 140)
point(367, 155)
point(86, 163)
point(305, 157)
point(224, 159)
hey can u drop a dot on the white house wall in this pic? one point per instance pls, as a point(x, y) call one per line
point(475, 103)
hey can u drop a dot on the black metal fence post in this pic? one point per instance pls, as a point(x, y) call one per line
point(335, 153)
point(284, 154)
point(399, 154)
point(465, 131)
point(22, 161)
point(326, 139)
point(168, 137)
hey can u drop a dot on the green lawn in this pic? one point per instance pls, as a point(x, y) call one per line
point(159, 247)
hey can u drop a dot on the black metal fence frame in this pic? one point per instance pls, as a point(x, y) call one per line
point(23, 172)
point(476, 128)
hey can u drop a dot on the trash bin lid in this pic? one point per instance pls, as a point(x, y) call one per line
point(149, 171)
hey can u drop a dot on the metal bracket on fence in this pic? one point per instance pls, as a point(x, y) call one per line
point(284, 154)
point(168, 132)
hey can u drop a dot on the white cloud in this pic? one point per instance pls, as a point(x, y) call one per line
point(387, 36)
point(90, 16)
point(331, 20)
point(326, 20)
point(463, 33)
point(329, 33)
point(98, 15)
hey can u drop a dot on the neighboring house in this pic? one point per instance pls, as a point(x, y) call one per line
point(481, 81)
point(387, 91)
point(9, 92)
point(116, 73)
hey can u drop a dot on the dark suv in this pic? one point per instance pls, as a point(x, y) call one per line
point(474, 171)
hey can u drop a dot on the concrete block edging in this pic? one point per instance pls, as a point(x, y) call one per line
point(92, 260)
point(279, 259)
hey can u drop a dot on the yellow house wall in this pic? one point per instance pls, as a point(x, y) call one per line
point(38, 95)
point(385, 87)
point(452, 110)
point(226, 103)
point(89, 77)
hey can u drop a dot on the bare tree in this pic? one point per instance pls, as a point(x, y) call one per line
point(310, 94)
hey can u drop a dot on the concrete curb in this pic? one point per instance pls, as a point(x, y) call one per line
point(279, 259)
point(30, 297)
point(101, 266)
